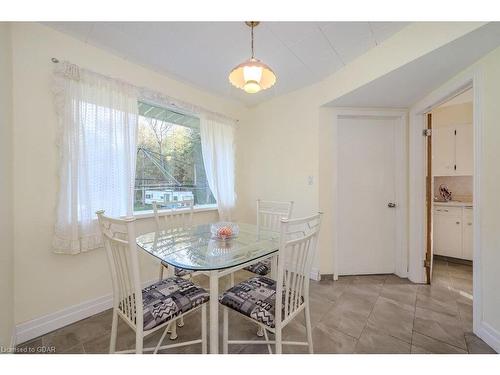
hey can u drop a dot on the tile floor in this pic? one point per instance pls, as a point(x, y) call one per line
point(356, 314)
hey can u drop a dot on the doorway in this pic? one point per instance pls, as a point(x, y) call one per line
point(450, 174)
point(418, 235)
point(370, 195)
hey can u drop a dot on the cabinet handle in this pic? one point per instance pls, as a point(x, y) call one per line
point(469, 223)
point(458, 222)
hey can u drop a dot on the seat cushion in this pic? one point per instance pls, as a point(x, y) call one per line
point(169, 298)
point(180, 272)
point(260, 268)
point(255, 298)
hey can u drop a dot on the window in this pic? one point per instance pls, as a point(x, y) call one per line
point(169, 167)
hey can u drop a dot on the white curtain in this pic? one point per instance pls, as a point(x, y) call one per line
point(217, 145)
point(98, 119)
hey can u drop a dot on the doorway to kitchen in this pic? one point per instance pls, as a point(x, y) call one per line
point(450, 175)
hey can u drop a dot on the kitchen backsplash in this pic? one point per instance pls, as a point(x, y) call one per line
point(460, 187)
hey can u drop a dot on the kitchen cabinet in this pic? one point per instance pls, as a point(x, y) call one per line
point(452, 150)
point(467, 236)
point(464, 158)
point(452, 231)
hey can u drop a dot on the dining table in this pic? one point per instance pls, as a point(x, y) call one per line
point(197, 249)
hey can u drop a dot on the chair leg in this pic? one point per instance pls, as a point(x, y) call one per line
point(173, 332)
point(225, 331)
point(204, 329)
point(260, 331)
point(180, 322)
point(277, 337)
point(138, 342)
point(307, 313)
point(114, 332)
point(161, 272)
point(232, 279)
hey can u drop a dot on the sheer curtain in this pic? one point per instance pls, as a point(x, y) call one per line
point(98, 119)
point(217, 145)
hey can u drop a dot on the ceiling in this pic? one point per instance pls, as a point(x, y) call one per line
point(406, 85)
point(203, 53)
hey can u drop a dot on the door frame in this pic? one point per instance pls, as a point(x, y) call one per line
point(418, 159)
point(401, 174)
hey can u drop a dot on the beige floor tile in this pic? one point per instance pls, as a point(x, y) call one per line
point(380, 342)
point(402, 293)
point(440, 326)
point(418, 350)
point(393, 318)
point(477, 346)
point(434, 346)
point(325, 341)
point(370, 279)
point(350, 314)
point(465, 312)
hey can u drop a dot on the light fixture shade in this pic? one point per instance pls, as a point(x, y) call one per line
point(252, 76)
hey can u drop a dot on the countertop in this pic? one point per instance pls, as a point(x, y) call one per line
point(453, 204)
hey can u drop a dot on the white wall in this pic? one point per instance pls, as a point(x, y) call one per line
point(6, 227)
point(46, 282)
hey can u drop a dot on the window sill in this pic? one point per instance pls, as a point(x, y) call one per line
point(199, 208)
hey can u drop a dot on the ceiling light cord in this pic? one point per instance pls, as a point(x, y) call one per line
point(252, 39)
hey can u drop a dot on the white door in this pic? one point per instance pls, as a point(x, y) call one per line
point(443, 151)
point(464, 150)
point(366, 186)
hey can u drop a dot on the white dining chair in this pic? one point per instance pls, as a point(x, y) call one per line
point(154, 307)
point(172, 220)
point(269, 214)
point(256, 299)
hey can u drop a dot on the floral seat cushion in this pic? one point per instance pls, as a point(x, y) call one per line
point(179, 272)
point(261, 268)
point(255, 298)
point(171, 297)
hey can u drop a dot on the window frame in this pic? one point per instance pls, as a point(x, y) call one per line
point(197, 207)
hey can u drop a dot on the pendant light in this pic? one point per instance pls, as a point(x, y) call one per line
point(252, 75)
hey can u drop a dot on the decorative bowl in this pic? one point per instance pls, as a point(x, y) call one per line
point(224, 230)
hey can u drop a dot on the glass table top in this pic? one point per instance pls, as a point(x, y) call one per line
point(196, 249)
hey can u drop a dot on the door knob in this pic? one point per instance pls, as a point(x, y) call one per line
point(391, 204)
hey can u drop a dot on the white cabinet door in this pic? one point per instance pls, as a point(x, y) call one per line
point(467, 234)
point(448, 235)
point(464, 150)
point(443, 151)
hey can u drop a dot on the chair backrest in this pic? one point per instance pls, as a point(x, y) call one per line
point(298, 240)
point(178, 217)
point(119, 242)
point(270, 213)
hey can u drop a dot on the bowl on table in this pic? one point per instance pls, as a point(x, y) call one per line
point(224, 230)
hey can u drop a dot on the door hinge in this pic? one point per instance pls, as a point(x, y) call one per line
point(427, 132)
point(427, 263)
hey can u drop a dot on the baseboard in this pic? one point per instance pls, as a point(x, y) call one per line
point(315, 275)
point(48, 323)
point(490, 336)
